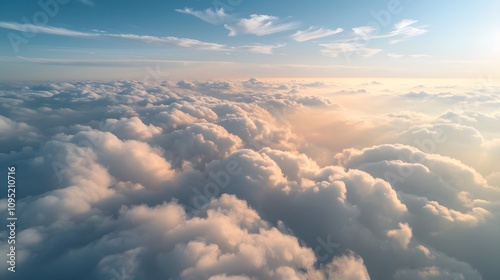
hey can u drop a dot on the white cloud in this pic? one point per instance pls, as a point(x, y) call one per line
point(143, 174)
point(209, 15)
point(132, 128)
point(402, 235)
point(398, 56)
point(314, 33)
point(347, 267)
point(12, 129)
point(25, 27)
point(395, 55)
point(262, 49)
point(405, 29)
point(364, 32)
point(181, 42)
point(419, 55)
point(404, 24)
point(401, 31)
point(198, 144)
point(259, 25)
point(346, 48)
point(170, 40)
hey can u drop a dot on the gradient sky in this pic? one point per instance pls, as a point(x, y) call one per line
point(98, 39)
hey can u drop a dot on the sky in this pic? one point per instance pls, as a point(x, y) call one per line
point(244, 140)
point(239, 39)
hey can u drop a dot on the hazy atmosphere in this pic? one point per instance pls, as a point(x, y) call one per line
point(237, 139)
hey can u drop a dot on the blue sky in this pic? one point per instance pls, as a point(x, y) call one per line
point(111, 39)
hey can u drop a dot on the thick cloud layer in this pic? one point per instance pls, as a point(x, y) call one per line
point(247, 180)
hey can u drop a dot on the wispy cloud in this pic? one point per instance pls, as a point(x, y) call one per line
point(314, 33)
point(262, 49)
point(259, 25)
point(44, 29)
point(364, 32)
point(256, 24)
point(168, 40)
point(209, 15)
point(334, 49)
point(404, 30)
point(420, 55)
point(398, 56)
point(176, 41)
point(356, 44)
point(401, 31)
point(112, 62)
point(395, 55)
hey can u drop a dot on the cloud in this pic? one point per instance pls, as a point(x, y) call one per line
point(314, 33)
point(419, 55)
point(131, 129)
point(25, 27)
point(262, 49)
point(259, 25)
point(364, 32)
point(402, 30)
point(168, 40)
point(334, 49)
point(427, 273)
point(356, 44)
point(176, 41)
point(181, 42)
point(13, 129)
point(217, 16)
point(219, 180)
point(398, 56)
point(198, 144)
point(347, 267)
point(405, 29)
point(395, 55)
point(494, 179)
point(402, 235)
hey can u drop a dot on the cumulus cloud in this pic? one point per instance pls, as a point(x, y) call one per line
point(401, 235)
point(198, 144)
point(132, 128)
point(16, 130)
point(347, 267)
point(221, 180)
